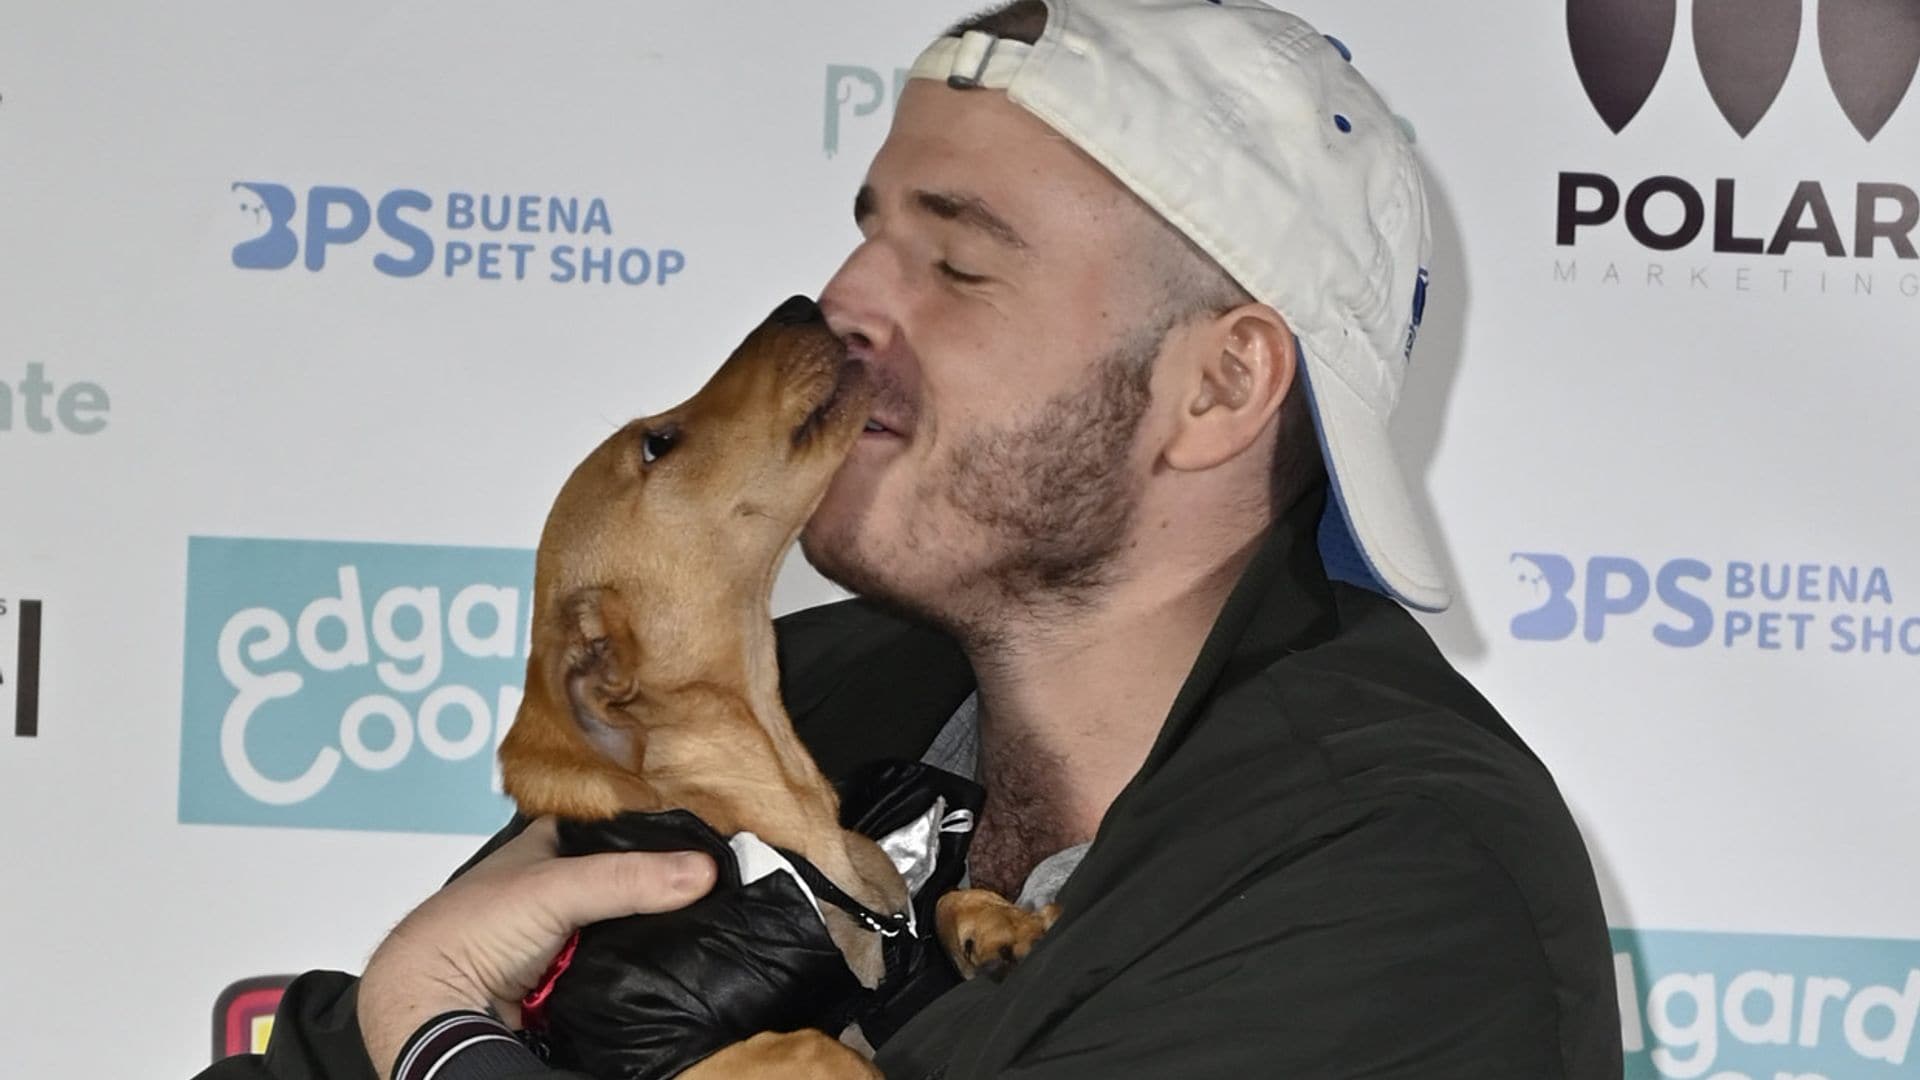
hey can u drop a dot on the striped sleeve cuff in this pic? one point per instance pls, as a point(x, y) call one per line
point(463, 1045)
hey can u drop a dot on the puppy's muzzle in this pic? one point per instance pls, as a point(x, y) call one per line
point(797, 311)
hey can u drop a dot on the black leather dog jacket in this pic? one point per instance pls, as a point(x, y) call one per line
point(647, 996)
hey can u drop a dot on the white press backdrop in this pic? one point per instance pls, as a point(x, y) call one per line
point(1676, 485)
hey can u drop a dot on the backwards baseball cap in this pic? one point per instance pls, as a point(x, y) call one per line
point(1253, 134)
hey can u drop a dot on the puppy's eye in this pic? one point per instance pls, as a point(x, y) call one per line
point(655, 444)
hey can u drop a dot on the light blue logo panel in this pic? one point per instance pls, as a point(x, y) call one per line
point(350, 685)
point(1766, 1007)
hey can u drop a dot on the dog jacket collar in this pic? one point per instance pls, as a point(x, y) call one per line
point(650, 995)
point(824, 889)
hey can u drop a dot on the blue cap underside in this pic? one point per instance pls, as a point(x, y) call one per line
point(1340, 553)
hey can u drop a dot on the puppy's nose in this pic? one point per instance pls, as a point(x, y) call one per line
point(797, 311)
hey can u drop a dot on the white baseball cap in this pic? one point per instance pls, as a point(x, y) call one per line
point(1253, 134)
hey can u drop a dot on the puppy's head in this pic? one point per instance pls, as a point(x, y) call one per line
point(664, 543)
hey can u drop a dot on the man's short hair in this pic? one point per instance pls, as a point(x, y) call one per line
point(1021, 20)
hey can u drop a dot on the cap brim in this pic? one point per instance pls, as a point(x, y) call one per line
point(1384, 533)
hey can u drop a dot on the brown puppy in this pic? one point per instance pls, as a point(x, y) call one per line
point(652, 683)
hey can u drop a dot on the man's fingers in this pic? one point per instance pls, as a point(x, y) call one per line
point(593, 888)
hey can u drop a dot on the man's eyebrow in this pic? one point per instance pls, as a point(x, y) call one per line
point(971, 211)
point(968, 210)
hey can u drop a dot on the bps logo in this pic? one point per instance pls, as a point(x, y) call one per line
point(1766, 1007)
point(486, 237)
point(350, 686)
point(1758, 605)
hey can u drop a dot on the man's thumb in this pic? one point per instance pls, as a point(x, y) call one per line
point(593, 888)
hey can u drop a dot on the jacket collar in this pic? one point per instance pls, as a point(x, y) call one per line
point(1282, 603)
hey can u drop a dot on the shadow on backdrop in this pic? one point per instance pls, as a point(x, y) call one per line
point(1420, 420)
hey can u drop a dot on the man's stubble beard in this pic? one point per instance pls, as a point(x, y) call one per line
point(1052, 494)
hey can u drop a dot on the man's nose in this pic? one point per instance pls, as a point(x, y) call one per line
point(855, 302)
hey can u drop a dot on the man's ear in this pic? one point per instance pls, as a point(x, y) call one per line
point(1239, 368)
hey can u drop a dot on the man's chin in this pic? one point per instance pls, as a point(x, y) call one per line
point(838, 556)
point(831, 552)
point(862, 580)
point(837, 539)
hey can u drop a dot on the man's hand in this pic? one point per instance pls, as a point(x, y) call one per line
point(484, 940)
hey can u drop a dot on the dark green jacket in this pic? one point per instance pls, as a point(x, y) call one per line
point(1337, 861)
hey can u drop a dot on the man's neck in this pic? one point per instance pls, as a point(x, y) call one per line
point(1070, 706)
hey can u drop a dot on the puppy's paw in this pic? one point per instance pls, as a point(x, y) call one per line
point(985, 934)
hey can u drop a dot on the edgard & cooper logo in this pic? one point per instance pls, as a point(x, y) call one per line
point(350, 685)
point(1765, 1007)
point(1744, 51)
point(484, 237)
point(1687, 602)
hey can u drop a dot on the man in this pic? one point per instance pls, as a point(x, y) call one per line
point(1138, 281)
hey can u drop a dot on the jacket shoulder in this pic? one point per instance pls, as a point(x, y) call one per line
point(1369, 921)
point(1389, 726)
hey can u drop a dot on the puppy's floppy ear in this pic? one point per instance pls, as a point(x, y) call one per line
point(576, 749)
point(599, 668)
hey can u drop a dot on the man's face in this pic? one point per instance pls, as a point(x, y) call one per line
point(997, 300)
